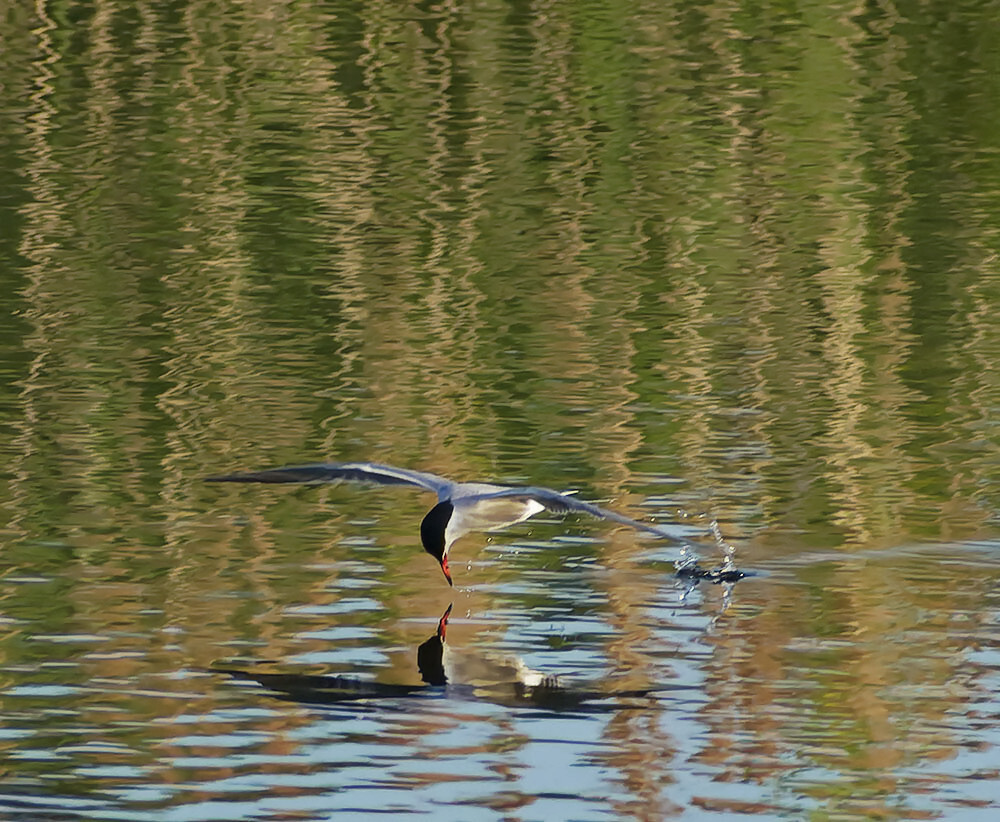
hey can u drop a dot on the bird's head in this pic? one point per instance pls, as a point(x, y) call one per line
point(432, 530)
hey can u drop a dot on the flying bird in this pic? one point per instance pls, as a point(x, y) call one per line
point(461, 507)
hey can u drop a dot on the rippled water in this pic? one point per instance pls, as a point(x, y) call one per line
point(696, 262)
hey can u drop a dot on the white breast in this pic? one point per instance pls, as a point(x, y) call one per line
point(487, 515)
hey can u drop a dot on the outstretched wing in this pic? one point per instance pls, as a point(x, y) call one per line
point(564, 503)
point(319, 472)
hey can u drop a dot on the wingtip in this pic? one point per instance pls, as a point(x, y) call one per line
point(226, 478)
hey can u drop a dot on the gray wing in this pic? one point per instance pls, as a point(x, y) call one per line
point(319, 472)
point(564, 503)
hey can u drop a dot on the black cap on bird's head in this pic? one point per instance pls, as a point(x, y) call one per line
point(432, 534)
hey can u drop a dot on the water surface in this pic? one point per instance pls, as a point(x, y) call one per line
point(694, 261)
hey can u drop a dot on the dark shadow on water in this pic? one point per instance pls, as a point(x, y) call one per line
point(694, 573)
point(499, 683)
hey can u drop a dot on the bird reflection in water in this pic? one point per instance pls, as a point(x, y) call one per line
point(501, 682)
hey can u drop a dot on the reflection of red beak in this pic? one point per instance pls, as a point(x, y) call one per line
point(447, 573)
point(443, 623)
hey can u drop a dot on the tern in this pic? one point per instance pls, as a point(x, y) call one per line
point(461, 507)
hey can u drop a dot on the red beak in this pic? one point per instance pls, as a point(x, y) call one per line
point(447, 573)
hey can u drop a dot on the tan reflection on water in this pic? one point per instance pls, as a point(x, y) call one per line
point(680, 250)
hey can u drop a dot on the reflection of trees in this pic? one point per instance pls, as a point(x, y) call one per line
point(589, 249)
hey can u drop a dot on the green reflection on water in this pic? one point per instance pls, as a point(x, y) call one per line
point(738, 260)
